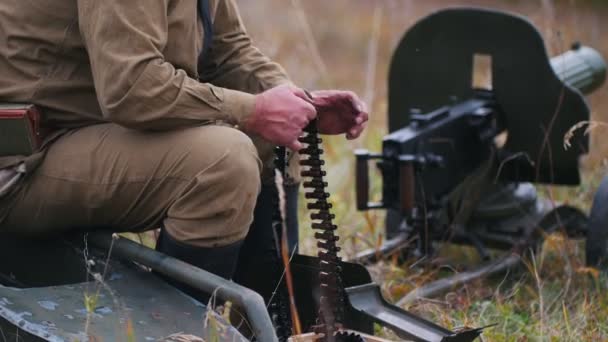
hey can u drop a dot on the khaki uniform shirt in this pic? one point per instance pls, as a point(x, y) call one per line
point(131, 62)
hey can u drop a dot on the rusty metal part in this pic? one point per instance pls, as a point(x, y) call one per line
point(331, 301)
point(278, 307)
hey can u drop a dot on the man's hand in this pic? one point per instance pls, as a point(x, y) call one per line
point(340, 112)
point(280, 115)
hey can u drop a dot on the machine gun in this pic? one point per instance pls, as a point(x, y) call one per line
point(445, 174)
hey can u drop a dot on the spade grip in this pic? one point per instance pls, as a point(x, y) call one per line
point(362, 180)
point(406, 168)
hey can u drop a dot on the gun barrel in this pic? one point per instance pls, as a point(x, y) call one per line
point(581, 67)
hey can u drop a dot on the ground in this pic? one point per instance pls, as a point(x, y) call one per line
point(348, 44)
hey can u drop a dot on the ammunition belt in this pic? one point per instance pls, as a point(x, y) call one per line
point(331, 301)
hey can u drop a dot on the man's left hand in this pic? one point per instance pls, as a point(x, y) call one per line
point(340, 112)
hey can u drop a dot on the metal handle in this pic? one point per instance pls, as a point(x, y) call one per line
point(362, 180)
point(407, 195)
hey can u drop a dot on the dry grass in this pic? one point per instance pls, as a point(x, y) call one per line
point(553, 298)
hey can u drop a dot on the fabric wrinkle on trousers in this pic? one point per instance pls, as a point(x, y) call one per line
point(199, 183)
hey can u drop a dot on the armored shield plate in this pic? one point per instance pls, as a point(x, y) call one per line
point(433, 67)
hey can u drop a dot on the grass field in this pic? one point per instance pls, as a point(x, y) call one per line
point(348, 44)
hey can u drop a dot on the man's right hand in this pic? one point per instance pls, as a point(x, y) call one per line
point(280, 115)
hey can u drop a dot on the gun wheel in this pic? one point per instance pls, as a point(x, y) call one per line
point(596, 246)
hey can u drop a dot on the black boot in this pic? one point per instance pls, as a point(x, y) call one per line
point(218, 260)
point(259, 267)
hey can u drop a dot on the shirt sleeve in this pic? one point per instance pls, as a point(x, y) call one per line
point(233, 62)
point(135, 85)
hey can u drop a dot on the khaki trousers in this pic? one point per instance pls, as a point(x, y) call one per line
point(199, 183)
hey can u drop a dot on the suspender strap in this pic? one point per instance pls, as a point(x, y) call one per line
point(205, 15)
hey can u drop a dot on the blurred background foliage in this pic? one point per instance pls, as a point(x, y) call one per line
point(348, 44)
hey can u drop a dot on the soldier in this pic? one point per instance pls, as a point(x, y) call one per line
point(155, 113)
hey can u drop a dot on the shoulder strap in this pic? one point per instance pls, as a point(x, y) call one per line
point(205, 15)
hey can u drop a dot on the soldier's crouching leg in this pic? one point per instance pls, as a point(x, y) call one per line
point(216, 207)
point(222, 197)
point(199, 183)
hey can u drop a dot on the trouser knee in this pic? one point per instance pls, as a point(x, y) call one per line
point(216, 207)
